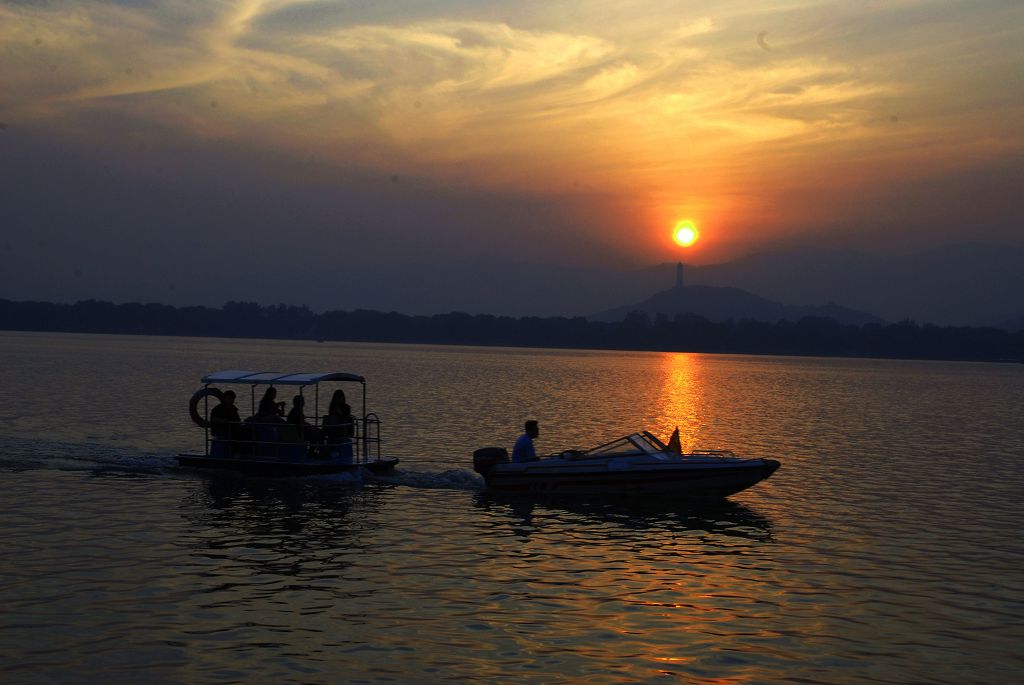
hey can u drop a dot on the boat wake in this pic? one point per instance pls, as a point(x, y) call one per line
point(453, 479)
point(17, 454)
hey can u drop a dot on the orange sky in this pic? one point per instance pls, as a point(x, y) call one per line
point(766, 123)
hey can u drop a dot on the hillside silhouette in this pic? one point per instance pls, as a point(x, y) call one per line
point(970, 284)
point(724, 303)
point(812, 336)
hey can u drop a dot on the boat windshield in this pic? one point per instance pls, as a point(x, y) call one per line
point(636, 443)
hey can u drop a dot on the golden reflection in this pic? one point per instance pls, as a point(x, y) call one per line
point(681, 401)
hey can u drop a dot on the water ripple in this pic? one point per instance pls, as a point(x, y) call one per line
point(886, 550)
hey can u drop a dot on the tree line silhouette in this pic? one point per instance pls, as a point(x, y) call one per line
point(811, 336)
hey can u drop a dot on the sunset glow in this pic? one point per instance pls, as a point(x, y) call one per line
point(583, 128)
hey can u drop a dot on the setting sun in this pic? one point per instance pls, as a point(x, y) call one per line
point(685, 233)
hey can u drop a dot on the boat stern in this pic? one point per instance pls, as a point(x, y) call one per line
point(486, 458)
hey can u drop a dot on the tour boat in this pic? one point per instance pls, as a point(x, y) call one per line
point(636, 464)
point(274, 447)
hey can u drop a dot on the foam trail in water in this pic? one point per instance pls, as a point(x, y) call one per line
point(453, 479)
point(355, 478)
point(21, 454)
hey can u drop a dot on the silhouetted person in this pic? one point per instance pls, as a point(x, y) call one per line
point(297, 418)
point(270, 409)
point(338, 423)
point(339, 426)
point(223, 415)
point(225, 424)
point(523, 449)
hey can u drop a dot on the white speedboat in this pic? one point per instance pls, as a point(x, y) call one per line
point(637, 464)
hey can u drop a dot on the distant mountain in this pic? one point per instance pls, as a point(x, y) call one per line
point(721, 304)
point(978, 285)
point(484, 285)
point(1012, 325)
point(953, 285)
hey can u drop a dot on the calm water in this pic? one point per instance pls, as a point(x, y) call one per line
point(887, 549)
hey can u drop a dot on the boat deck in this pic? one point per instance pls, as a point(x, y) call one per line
point(275, 468)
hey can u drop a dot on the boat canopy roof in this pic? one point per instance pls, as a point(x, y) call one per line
point(278, 378)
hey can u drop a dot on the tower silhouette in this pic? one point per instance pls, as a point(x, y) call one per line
point(679, 275)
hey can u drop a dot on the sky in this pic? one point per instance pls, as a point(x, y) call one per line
point(194, 152)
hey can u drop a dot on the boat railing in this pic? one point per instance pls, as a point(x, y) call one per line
point(370, 438)
point(275, 441)
point(282, 441)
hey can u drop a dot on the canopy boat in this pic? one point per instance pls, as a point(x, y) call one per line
point(637, 464)
point(271, 446)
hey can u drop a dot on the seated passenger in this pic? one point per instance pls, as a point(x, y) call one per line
point(270, 410)
point(297, 418)
point(523, 449)
point(339, 427)
point(262, 426)
point(338, 423)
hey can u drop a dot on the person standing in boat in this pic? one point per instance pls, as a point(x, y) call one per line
point(523, 450)
point(224, 420)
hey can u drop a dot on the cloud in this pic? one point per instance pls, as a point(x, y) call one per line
point(665, 107)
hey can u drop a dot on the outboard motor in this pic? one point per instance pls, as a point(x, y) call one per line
point(486, 458)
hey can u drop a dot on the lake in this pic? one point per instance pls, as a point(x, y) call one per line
point(887, 548)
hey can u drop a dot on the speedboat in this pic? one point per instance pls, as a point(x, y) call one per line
point(274, 447)
point(636, 464)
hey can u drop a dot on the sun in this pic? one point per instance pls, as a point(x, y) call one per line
point(685, 233)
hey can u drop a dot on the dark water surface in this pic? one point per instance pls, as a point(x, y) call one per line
point(887, 549)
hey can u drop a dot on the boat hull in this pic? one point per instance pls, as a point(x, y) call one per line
point(704, 481)
point(270, 468)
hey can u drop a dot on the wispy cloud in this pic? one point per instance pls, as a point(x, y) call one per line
point(683, 106)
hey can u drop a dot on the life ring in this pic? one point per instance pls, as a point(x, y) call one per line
point(193, 405)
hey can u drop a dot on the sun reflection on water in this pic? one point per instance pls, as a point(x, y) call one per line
point(682, 399)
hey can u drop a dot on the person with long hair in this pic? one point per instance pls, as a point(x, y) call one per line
point(339, 427)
